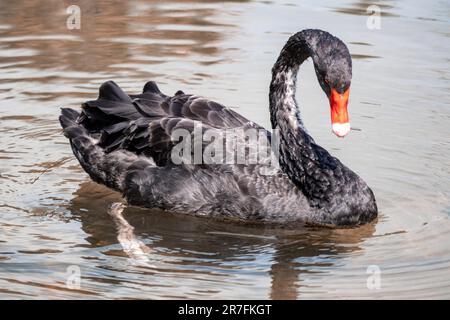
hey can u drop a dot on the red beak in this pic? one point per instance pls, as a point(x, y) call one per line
point(339, 114)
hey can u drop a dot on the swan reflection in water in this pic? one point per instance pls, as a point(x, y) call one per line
point(161, 241)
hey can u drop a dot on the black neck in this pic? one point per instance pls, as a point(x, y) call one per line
point(298, 152)
point(338, 195)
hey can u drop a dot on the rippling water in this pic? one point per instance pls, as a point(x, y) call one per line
point(53, 219)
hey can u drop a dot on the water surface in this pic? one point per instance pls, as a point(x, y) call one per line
point(52, 217)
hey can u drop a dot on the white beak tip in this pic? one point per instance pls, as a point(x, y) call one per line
point(341, 129)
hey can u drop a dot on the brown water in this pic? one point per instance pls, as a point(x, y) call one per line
point(53, 218)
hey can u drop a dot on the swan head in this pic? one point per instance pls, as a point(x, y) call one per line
point(333, 66)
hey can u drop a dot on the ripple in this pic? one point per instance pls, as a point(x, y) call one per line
point(40, 251)
point(53, 216)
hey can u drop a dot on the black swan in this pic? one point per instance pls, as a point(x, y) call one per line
point(125, 142)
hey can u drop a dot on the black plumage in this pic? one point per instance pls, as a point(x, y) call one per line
point(125, 142)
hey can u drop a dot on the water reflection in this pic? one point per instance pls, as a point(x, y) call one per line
point(360, 8)
point(111, 32)
point(51, 217)
point(213, 246)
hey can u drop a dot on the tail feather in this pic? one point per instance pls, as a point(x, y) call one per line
point(113, 106)
point(95, 133)
point(68, 117)
point(151, 87)
point(101, 167)
point(110, 91)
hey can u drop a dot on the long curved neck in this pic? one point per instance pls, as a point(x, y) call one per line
point(336, 194)
point(309, 166)
point(284, 111)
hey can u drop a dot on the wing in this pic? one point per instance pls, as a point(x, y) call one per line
point(147, 123)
